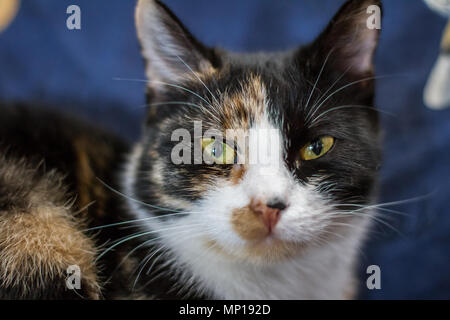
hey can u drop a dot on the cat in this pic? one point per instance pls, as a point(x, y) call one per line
point(152, 222)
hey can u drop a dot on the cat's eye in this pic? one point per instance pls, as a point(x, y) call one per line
point(316, 148)
point(218, 151)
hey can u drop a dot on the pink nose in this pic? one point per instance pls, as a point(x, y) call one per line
point(270, 212)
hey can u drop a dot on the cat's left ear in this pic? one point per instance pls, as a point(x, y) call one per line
point(171, 52)
point(351, 37)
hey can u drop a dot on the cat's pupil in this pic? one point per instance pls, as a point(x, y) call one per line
point(316, 147)
point(217, 149)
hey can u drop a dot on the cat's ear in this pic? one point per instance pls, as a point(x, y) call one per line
point(350, 39)
point(170, 51)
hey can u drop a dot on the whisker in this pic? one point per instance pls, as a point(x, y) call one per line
point(414, 199)
point(131, 252)
point(135, 200)
point(348, 106)
point(201, 255)
point(84, 208)
point(314, 107)
point(196, 75)
point(166, 215)
point(173, 103)
point(349, 85)
point(136, 236)
point(184, 103)
point(136, 220)
point(146, 259)
point(140, 231)
point(378, 208)
point(379, 220)
point(147, 242)
point(153, 253)
point(317, 80)
point(166, 84)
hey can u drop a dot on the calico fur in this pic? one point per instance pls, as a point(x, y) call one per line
point(142, 226)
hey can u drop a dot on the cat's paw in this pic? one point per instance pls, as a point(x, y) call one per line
point(44, 255)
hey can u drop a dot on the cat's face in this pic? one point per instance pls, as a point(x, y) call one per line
point(309, 111)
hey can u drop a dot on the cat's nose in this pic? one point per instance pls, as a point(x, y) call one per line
point(277, 204)
point(269, 212)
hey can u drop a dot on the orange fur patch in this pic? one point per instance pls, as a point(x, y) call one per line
point(248, 224)
point(237, 173)
point(239, 108)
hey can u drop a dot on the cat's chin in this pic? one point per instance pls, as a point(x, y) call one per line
point(265, 251)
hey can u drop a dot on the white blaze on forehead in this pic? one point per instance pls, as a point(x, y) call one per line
point(267, 176)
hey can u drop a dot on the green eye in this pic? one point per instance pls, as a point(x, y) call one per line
point(218, 151)
point(316, 148)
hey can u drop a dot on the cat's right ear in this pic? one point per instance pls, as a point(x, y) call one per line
point(172, 54)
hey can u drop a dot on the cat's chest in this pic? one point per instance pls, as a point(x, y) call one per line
point(320, 275)
point(286, 282)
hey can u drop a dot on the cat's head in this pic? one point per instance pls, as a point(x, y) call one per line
point(309, 110)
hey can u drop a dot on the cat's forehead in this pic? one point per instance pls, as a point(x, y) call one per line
point(244, 105)
point(240, 95)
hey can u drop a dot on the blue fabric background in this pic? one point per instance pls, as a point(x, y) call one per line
point(41, 60)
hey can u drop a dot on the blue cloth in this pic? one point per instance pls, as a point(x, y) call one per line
point(41, 60)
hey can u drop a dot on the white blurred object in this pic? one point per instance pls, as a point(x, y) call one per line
point(437, 90)
point(441, 6)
